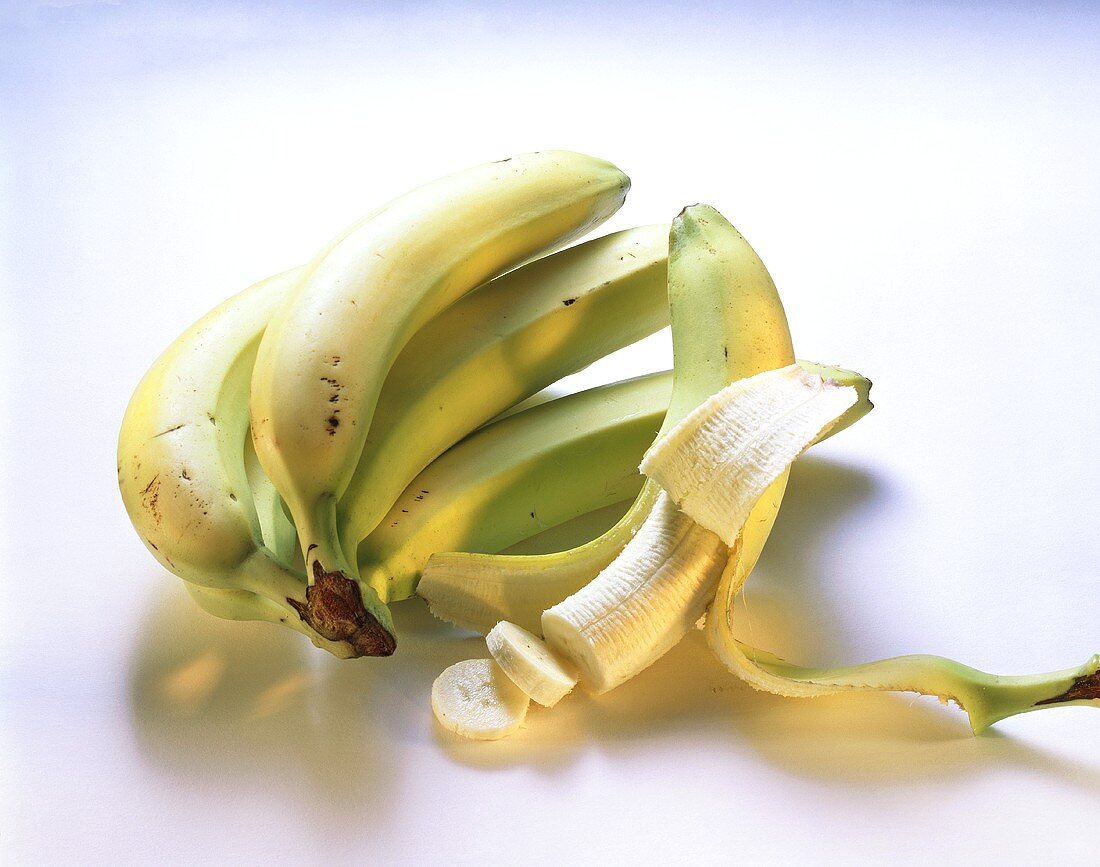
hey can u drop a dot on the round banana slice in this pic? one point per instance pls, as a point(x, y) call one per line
point(477, 700)
point(530, 663)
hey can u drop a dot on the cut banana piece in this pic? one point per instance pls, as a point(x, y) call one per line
point(476, 699)
point(717, 462)
point(530, 663)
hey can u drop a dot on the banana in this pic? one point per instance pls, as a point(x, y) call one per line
point(496, 346)
point(727, 323)
point(530, 663)
point(641, 605)
point(180, 466)
point(475, 699)
point(513, 478)
point(475, 591)
point(326, 352)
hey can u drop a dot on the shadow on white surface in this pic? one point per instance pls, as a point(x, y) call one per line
point(245, 704)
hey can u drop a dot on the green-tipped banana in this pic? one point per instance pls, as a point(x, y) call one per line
point(516, 477)
point(475, 591)
point(326, 353)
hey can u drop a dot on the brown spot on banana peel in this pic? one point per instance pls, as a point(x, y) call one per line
point(334, 609)
point(1084, 688)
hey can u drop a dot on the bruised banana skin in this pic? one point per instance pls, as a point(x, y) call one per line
point(476, 591)
point(180, 470)
point(326, 353)
point(515, 477)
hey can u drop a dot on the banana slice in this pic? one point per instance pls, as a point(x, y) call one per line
point(530, 663)
point(476, 699)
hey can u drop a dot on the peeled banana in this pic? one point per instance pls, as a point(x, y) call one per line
point(476, 699)
point(475, 591)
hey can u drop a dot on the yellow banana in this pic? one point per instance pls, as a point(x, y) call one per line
point(325, 355)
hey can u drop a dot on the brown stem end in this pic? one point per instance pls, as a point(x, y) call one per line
point(334, 609)
point(1084, 688)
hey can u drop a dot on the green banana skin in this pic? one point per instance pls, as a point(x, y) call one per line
point(476, 591)
point(986, 698)
point(516, 477)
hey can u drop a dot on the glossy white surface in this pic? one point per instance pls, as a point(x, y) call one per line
point(922, 181)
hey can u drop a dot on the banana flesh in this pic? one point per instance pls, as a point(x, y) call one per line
point(355, 310)
point(641, 605)
point(716, 462)
point(476, 699)
point(530, 663)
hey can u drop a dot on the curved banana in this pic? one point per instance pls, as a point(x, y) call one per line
point(727, 324)
point(516, 477)
point(180, 466)
point(183, 435)
point(326, 353)
point(496, 346)
point(475, 591)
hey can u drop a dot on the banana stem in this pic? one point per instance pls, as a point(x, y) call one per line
point(287, 594)
point(338, 606)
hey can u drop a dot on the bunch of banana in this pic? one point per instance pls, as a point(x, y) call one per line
point(721, 462)
point(203, 499)
point(342, 435)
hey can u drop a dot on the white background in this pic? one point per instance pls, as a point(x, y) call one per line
point(923, 182)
